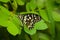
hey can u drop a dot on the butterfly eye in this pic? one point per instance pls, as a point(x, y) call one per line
point(29, 19)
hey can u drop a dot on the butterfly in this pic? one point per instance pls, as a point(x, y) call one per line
point(29, 19)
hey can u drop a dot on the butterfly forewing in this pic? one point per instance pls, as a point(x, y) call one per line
point(29, 19)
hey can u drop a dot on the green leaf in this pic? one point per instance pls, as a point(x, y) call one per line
point(56, 16)
point(28, 7)
point(13, 29)
point(4, 16)
point(31, 32)
point(31, 5)
point(20, 2)
point(4, 0)
point(14, 18)
point(43, 14)
point(43, 36)
point(5, 11)
point(14, 21)
point(40, 25)
point(40, 3)
point(10, 21)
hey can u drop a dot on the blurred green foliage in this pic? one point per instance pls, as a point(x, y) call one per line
point(11, 27)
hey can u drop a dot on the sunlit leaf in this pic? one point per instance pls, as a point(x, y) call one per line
point(4, 16)
point(4, 0)
point(43, 14)
point(27, 7)
point(40, 25)
point(31, 6)
point(16, 20)
point(12, 28)
point(29, 13)
point(10, 21)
